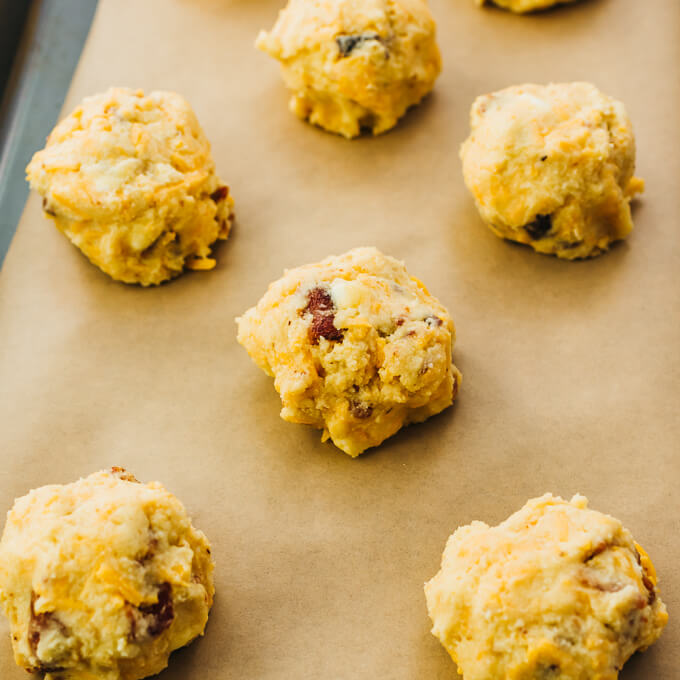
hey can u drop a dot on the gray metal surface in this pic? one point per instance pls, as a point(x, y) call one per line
point(13, 16)
point(50, 47)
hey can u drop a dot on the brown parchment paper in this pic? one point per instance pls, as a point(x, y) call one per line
point(571, 370)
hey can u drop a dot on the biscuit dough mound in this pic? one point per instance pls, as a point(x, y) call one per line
point(522, 6)
point(555, 592)
point(552, 166)
point(130, 180)
point(354, 65)
point(357, 347)
point(102, 578)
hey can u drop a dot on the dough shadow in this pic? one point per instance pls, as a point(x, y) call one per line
point(645, 664)
point(417, 442)
point(182, 661)
point(414, 115)
point(498, 268)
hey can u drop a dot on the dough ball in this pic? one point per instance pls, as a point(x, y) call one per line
point(129, 178)
point(556, 592)
point(102, 578)
point(355, 65)
point(552, 166)
point(522, 6)
point(357, 347)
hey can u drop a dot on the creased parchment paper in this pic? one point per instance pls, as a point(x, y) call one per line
point(571, 370)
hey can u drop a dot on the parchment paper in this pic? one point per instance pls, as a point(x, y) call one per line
point(571, 370)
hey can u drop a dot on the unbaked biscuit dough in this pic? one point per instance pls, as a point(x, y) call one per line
point(552, 166)
point(353, 64)
point(130, 180)
point(522, 6)
point(356, 345)
point(555, 592)
point(103, 578)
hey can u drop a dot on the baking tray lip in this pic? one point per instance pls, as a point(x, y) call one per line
point(53, 34)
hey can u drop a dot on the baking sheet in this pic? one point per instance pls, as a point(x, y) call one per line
point(570, 369)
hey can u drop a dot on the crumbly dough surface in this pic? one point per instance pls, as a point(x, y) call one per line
point(130, 180)
point(555, 592)
point(356, 345)
point(552, 166)
point(522, 6)
point(103, 578)
point(354, 64)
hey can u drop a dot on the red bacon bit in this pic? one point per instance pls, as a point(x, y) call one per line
point(321, 307)
point(220, 194)
point(162, 613)
point(646, 581)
